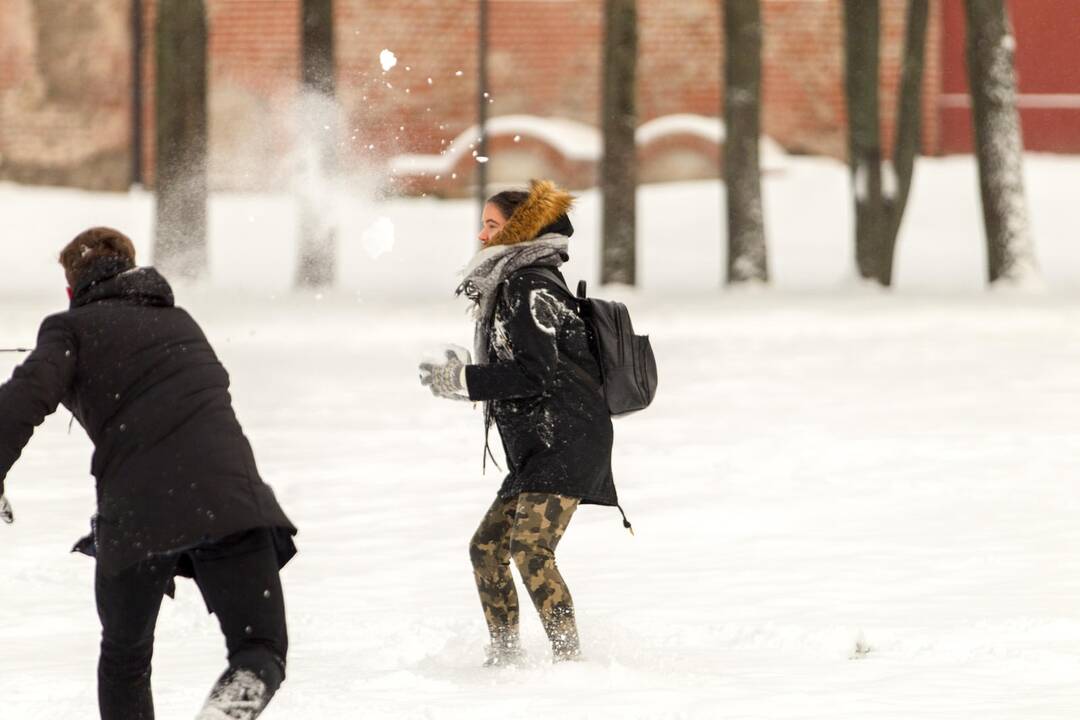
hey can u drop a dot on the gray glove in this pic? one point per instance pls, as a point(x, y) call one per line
point(5, 511)
point(447, 379)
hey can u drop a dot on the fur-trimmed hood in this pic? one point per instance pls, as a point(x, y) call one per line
point(543, 212)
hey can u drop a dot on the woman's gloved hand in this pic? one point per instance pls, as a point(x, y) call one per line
point(446, 378)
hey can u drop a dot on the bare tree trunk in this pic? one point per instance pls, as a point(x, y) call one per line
point(317, 256)
point(181, 138)
point(998, 142)
point(618, 168)
point(861, 41)
point(136, 92)
point(747, 259)
point(482, 98)
point(908, 128)
point(881, 187)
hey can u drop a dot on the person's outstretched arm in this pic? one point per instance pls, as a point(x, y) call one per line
point(34, 391)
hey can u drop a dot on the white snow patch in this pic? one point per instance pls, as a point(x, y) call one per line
point(708, 128)
point(808, 213)
point(544, 308)
point(378, 238)
point(889, 181)
point(956, 594)
point(575, 140)
point(861, 181)
point(388, 60)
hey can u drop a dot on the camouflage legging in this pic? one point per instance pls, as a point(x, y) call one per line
point(526, 528)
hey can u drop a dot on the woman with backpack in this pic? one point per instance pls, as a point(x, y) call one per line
point(541, 386)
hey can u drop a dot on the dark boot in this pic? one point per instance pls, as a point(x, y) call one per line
point(238, 695)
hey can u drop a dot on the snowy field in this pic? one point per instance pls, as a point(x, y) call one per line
point(848, 504)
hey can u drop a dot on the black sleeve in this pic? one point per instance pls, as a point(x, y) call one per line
point(535, 309)
point(35, 390)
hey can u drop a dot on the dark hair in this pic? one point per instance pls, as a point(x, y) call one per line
point(508, 201)
point(89, 245)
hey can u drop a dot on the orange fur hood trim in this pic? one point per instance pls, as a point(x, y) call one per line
point(546, 203)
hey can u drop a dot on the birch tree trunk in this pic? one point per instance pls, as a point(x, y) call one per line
point(618, 167)
point(998, 143)
point(180, 138)
point(747, 258)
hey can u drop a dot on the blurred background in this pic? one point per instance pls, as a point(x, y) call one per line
point(309, 136)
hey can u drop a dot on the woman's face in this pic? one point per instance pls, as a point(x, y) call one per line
point(493, 222)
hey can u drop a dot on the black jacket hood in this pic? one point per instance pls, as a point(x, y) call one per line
point(118, 279)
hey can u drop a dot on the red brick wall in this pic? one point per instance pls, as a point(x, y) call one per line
point(1047, 36)
point(438, 42)
point(804, 74)
point(254, 56)
point(64, 79)
point(544, 60)
point(679, 58)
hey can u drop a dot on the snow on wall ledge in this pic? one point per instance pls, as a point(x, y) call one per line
point(414, 248)
point(574, 140)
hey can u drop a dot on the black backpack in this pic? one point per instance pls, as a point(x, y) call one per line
point(627, 363)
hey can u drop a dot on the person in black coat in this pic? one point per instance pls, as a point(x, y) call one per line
point(541, 386)
point(178, 491)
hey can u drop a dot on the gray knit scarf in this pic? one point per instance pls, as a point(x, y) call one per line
point(494, 265)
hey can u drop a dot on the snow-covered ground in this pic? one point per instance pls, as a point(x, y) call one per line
point(409, 248)
point(848, 504)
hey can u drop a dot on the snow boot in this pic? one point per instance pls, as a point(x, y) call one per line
point(505, 648)
point(238, 695)
point(565, 649)
point(504, 657)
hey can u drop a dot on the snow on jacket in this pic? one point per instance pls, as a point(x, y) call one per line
point(173, 467)
point(540, 379)
point(543, 385)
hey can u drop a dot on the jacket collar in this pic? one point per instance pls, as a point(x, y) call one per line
point(117, 279)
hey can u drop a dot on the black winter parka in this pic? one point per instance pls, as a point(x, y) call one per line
point(173, 467)
point(543, 385)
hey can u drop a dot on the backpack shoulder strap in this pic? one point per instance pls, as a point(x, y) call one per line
point(549, 273)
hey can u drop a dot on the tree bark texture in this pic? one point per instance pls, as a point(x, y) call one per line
point(881, 187)
point(861, 43)
point(908, 138)
point(482, 99)
point(747, 259)
point(317, 242)
point(998, 142)
point(181, 137)
point(618, 167)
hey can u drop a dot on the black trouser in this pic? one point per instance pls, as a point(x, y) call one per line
point(238, 579)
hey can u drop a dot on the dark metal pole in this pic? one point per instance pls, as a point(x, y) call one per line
point(482, 103)
point(136, 92)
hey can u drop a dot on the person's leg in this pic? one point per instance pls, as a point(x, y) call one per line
point(539, 524)
point(128, 605)
point(489, 551)
point(239, 580)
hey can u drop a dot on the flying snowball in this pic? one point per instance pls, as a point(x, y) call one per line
point(378, 239)
point(387, 59)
